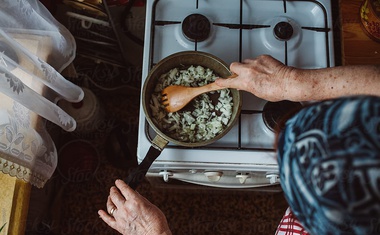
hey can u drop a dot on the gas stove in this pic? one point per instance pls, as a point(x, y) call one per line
point(298, 33)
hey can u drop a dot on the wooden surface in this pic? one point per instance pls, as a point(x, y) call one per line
point(357, 47)
point(14, 204)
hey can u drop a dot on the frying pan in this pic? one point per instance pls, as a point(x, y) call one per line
point(181, 60)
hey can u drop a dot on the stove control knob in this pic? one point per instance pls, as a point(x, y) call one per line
point(242, 177)
point(273, 178)
point(165, 175)
point(213, 176)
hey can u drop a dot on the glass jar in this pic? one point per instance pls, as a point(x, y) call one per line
point(370, 18)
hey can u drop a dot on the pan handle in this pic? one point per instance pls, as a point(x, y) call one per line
point(137, 175)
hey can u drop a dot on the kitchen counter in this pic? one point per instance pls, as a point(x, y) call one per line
point(356, 48)
point(14, 204)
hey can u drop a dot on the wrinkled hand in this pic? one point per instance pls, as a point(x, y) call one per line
point(130, 213)
point(263, 76)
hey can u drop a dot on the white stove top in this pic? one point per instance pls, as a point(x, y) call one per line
point(239, 29)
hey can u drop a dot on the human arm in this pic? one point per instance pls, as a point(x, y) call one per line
point(270, 79)
point(130, 213)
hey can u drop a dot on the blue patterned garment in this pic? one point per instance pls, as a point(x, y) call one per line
point(329, 158)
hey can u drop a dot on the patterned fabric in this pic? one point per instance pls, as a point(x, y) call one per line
point(329, 158)
point(34, 49)
point(289, 225)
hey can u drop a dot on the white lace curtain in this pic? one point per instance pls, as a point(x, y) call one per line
point(34, 49)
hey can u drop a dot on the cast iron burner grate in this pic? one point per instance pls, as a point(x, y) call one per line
point(284, 32)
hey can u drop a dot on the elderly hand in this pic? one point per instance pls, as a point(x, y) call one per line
point(271, 80)
point(264, 77)
point(130, 213)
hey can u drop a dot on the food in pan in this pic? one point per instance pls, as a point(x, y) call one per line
point(204, 118)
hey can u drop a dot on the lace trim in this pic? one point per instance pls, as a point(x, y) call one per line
point(21, 172)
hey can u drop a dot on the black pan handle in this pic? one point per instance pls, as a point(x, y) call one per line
point(137, 175)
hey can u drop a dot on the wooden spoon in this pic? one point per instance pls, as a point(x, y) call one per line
point(176, 97)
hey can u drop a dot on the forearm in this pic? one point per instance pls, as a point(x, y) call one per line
point(320, 84)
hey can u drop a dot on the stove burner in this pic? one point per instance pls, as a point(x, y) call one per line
point(275, 113)
point(196, 27)
point(283, 31)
